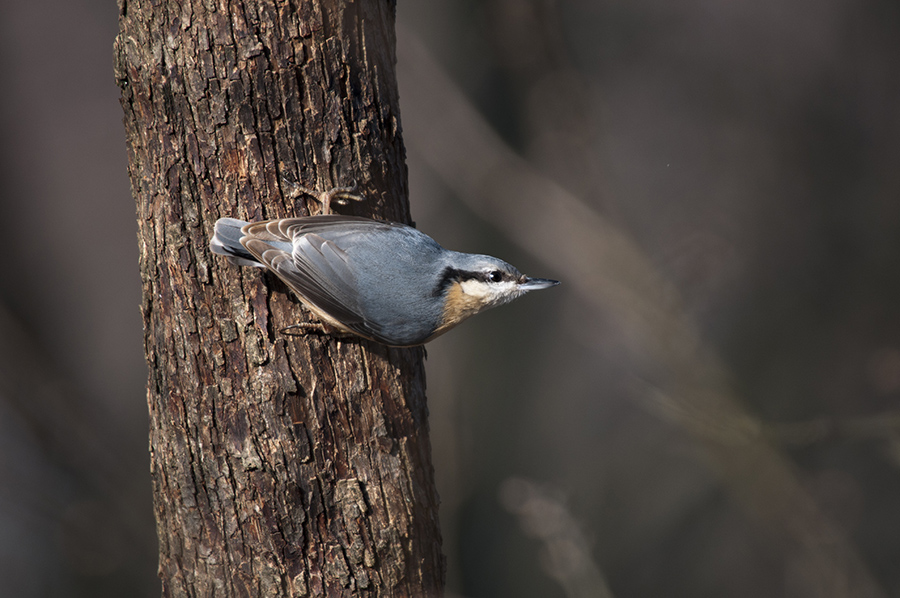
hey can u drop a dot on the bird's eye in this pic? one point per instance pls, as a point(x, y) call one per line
point(495, 276)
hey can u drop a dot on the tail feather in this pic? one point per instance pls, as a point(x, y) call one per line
point(227, 241)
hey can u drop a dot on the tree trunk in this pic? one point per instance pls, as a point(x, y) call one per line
point(282, 466)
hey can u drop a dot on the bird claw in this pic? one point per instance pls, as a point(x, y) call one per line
point(344, 195)
point(315, 327)
point(306, 327)
point(339, 195)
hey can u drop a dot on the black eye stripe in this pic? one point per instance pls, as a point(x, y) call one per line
point(450, 275)
point(447, 277)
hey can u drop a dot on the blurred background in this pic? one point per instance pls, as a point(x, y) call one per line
point(708, 404)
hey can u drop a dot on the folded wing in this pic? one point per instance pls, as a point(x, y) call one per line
point(315, 266)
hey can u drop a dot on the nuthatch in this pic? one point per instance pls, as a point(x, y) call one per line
point(380, 280)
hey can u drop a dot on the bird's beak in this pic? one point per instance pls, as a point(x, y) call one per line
point(533, 284)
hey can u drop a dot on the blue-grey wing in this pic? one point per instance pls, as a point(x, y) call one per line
point(316, 268)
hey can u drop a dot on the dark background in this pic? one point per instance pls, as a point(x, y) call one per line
point(747, 152)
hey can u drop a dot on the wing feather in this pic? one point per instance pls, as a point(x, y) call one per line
point(315, 268)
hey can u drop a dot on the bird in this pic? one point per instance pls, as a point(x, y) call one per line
point(379, 280)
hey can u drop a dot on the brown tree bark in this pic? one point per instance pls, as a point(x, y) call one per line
point(282, 466)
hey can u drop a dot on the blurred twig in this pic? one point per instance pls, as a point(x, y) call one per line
point(566, 554)
point(612, 275)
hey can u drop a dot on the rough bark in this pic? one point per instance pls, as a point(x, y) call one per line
point(282, 466)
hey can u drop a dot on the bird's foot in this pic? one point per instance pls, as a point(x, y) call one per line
point(338, 195)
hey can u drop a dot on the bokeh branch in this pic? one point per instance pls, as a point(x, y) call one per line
point(682, 378)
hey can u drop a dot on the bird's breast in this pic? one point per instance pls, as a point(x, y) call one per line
point(458, 305)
